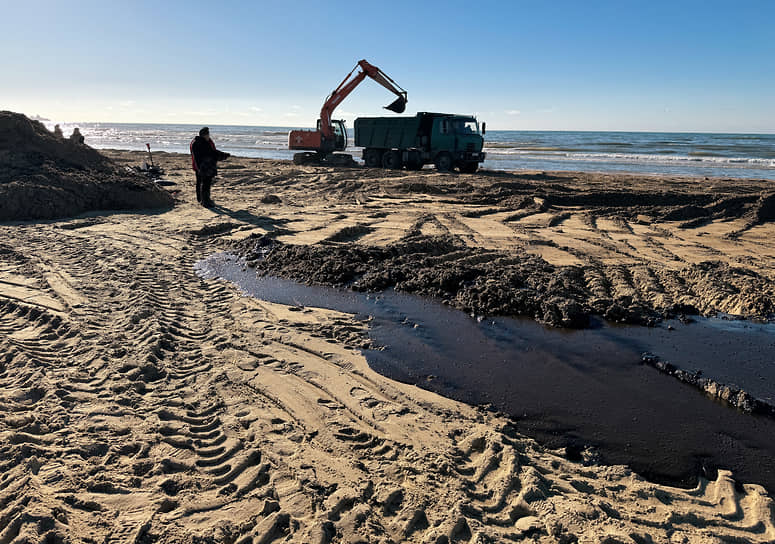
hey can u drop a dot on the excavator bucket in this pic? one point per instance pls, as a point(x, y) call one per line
point(398, 105)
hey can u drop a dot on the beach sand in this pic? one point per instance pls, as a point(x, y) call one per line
point(141, 403)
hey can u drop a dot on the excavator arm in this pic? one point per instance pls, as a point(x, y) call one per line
point(348, 85)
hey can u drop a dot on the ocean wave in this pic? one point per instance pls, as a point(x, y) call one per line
point(497, 145)
point(641, 157)
point(551, 148)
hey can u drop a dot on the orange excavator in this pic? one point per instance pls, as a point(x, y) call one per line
point(319, 145)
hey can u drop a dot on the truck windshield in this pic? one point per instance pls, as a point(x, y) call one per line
point(466, 127)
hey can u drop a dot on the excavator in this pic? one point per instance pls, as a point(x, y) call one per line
point(319, 145)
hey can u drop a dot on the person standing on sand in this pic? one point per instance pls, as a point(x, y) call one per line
point(204, 161)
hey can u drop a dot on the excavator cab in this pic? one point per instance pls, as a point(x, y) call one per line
point(340, 134)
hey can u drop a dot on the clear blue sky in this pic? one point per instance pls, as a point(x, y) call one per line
point(556, 65)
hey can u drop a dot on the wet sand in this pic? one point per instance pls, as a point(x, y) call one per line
point(141, 403)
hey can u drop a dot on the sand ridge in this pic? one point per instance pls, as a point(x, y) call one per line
point(141, 403)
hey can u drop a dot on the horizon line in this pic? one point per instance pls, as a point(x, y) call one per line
point(40, 118)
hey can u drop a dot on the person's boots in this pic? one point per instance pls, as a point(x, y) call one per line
point(206, 200)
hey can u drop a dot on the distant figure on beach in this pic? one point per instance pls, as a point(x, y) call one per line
point(76, 137)
point(204, 161)
point(58, 132)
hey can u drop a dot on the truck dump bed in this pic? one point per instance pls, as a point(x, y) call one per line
point(387, 132)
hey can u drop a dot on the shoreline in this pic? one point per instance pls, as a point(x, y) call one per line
point(622, 172)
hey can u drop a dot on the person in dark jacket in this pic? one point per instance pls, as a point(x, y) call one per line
point(204, 161)
point(76, 137)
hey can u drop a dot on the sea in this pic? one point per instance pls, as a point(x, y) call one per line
point(667, 153)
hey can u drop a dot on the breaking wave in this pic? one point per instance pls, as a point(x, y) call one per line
point(660, 157)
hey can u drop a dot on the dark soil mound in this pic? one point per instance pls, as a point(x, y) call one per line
point(488, 282)
point(45, 177)
point(472, 279)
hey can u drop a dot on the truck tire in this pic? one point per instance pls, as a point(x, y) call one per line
point(444, 162)
point(469, 167)
point(373, 158)
point(392, 160)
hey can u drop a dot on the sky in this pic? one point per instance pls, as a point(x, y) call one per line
point(674, 66)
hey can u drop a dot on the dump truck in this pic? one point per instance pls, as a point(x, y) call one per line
point(446, 140)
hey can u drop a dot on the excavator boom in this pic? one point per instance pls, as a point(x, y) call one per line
point(348, 85)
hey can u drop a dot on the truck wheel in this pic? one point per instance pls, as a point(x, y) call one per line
point(373, 158)
point(469, 167)
point(444, 162)
point(392, 160)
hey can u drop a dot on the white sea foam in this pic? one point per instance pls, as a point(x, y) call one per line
point(632, 157)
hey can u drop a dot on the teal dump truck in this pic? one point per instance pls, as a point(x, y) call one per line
point(448, 141)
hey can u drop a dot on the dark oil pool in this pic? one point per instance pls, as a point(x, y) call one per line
point(570, 389)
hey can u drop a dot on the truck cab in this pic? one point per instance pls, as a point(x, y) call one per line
point(458, 137)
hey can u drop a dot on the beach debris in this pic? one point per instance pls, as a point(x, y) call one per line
point(152, 171)
point(271, 199)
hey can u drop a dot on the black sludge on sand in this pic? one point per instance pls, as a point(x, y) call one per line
point(46, 177)
point(490, 282)
point(570, 389)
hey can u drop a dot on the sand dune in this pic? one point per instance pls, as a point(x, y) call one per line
point(141, 403)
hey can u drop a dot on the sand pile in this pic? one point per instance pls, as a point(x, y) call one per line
point(44, 177)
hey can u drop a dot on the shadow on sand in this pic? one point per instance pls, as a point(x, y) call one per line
point(270, 224)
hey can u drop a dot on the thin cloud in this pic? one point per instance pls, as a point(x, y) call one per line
point(201, 113)
point(513, 112)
